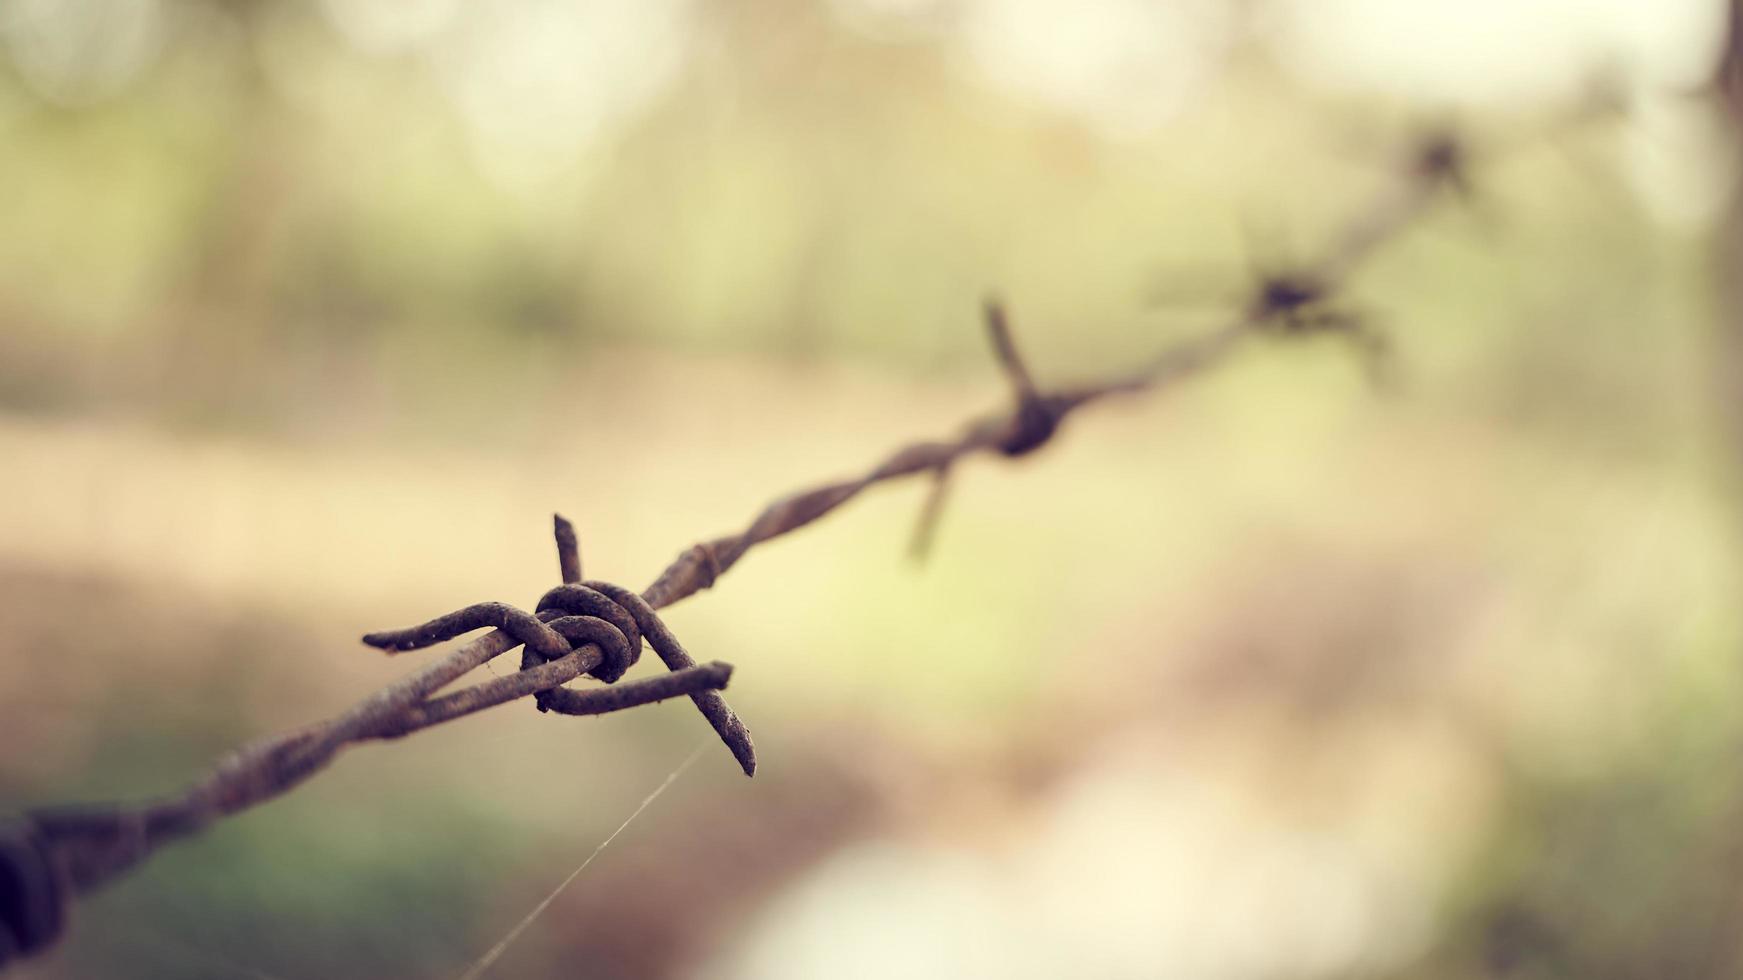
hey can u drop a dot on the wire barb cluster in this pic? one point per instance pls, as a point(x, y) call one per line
point(594, 628)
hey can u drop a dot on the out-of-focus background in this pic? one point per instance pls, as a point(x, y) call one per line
point(312, 313)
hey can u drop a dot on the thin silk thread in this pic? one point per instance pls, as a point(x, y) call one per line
point(477, 969)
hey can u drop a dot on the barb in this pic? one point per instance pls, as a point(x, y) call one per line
point(568, 549)
point(596, 628)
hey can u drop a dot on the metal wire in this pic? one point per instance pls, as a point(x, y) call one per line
point(52, 855)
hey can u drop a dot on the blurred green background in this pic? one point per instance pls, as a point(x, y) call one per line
point(311, 314)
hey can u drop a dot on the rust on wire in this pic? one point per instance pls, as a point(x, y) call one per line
point(568, 549)
point(596, 628)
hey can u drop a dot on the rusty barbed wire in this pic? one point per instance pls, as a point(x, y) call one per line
point(49, 856)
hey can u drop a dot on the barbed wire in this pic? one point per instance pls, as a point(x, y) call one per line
point(50, 856)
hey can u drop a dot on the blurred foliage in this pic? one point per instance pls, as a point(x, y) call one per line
point(305, 326)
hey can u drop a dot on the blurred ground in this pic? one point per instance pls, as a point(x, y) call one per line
point(306, 327)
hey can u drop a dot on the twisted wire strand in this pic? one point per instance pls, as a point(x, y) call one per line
point(82, 847)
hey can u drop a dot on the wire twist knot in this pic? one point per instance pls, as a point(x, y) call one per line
point(1034, 422)
point(567, 620)
point(591, 612)
point(602, 627)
